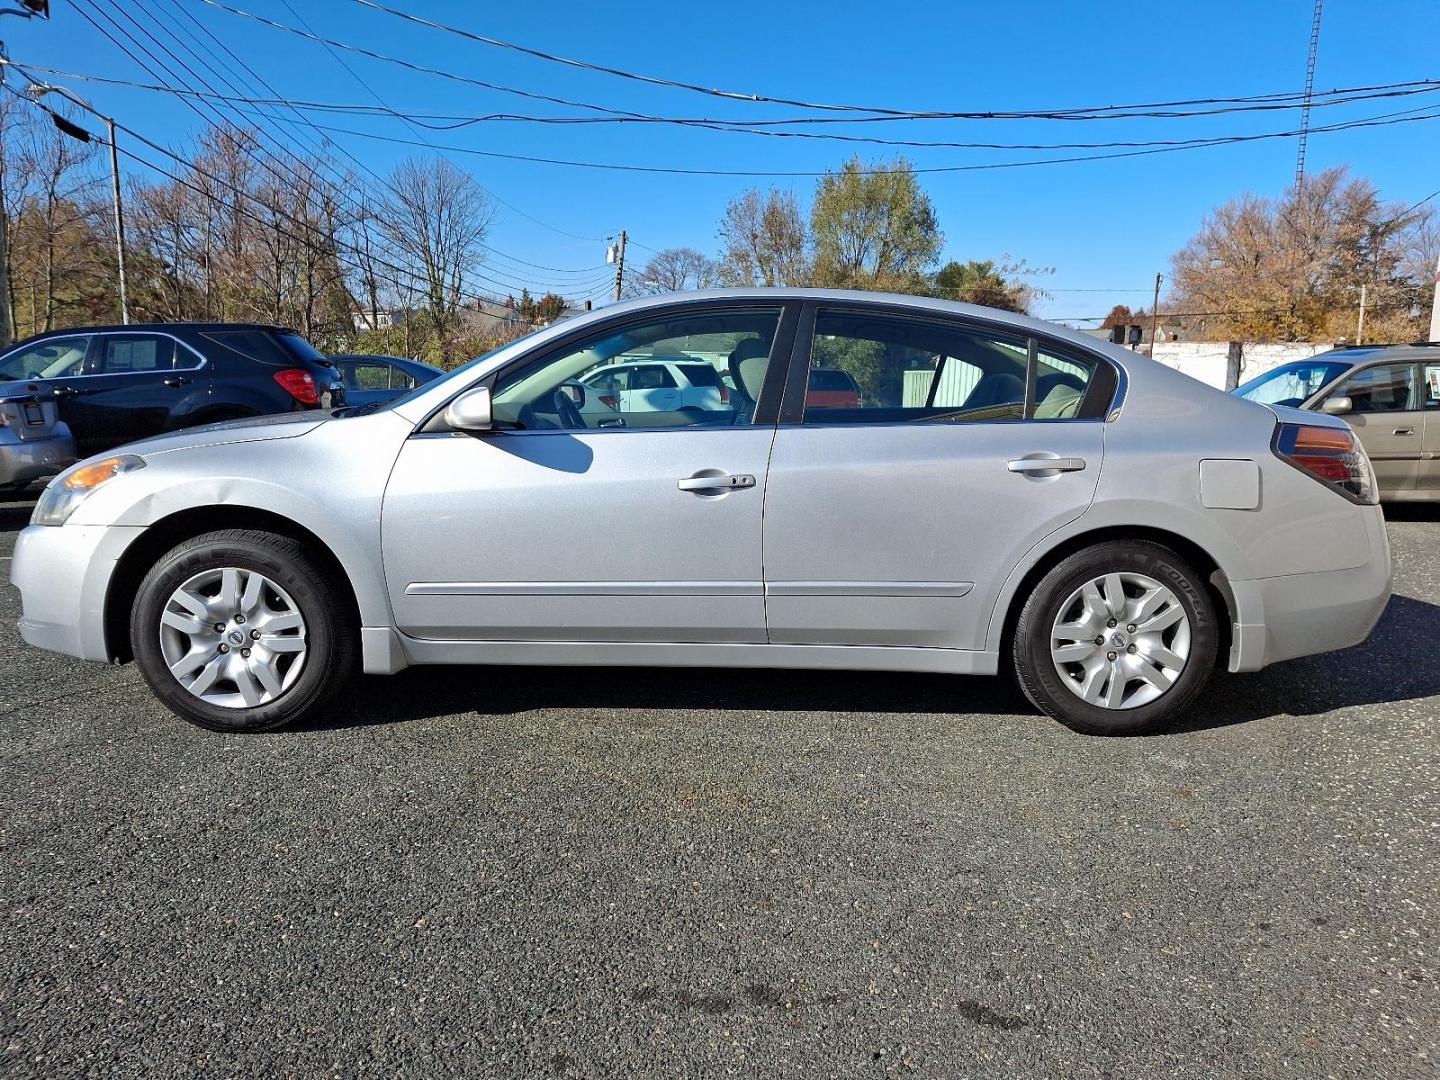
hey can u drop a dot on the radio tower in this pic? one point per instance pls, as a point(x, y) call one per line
point(1309, 90)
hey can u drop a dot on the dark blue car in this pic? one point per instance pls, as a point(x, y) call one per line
point(372, 379)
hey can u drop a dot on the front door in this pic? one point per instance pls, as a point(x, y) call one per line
point(552, 528)
point(895, 522)
point(132, 385)
point(1387, 418)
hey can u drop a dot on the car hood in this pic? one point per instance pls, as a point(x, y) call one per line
point(251, 429)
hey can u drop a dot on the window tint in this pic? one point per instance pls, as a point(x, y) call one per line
point(832, 381)
point(1382, 388)
point(700, 374)
point(1293, 383)
point(913, 369)
point(627, 392)
point(124, 354)
point(55, 358)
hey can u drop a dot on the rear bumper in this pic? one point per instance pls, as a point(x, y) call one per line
point(22, 461)
point(1280, 618)
point(63, 574)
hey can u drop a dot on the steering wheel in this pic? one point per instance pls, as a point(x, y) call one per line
point(567, 416)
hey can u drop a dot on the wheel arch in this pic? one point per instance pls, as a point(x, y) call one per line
point(1217, 584)
point(175, 528)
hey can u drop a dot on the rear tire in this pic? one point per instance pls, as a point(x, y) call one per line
point(242, 630)
point(1116, 639)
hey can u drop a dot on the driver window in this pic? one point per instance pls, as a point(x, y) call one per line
point(55, 358)
point(1382, 388)
point(634, 377)
point(910, 369)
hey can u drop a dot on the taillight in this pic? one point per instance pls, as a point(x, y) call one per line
point(610, 401)
point(298, 383)
point(1332, 456)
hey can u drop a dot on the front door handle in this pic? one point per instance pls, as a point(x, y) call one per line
point(1403, 431)
point(64, 392)
point(716, 482)
point(1046, 464)
point(175, 380)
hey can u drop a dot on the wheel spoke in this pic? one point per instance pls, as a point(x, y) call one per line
point(265, 672)
point(208, 674)
point(186, 624)
point(250, 691)
point(1162, 656)
point(1115, 688)
point(1163, 621)
point(1157, 678)
point(1073, 653)
point(1094, 682)
point(196, 605)
point(250, 598)
point(1114, 596)
point(284, 620)
point(1150, 603)
point(283, 644)
point(230, 589)
point(190, 661)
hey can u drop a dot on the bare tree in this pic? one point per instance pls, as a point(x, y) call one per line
point(674, 270)
point(436, 218)
point(765, 240)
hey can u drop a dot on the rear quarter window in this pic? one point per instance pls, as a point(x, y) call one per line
point(700, 374)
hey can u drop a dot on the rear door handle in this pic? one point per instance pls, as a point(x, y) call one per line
point(1046, 464)
point(1403, 431)
point(716, 482)
point(180, 380)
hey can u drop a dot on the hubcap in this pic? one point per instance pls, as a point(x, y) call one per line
point(233, 638)
point(1120, 641)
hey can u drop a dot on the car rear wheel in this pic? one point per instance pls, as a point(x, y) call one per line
point(241, 630)
point(1116, 639)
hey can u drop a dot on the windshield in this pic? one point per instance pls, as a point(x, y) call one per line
point(1294, 383)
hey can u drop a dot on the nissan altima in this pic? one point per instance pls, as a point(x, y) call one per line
point(1001, 495)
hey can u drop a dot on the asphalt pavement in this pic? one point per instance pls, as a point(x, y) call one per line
point(585, 873)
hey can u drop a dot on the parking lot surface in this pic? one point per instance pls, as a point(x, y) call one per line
point(597, 873)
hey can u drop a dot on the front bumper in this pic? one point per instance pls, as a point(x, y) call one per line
point(1280, 618)
point(24, 461)
point(63, 574)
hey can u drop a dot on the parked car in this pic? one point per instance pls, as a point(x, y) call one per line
point(371, 379)
point(34, 443)
point(832, 388)
point(1390, 397)
point(115, 384)
point(660, 384)
point(1105, 526)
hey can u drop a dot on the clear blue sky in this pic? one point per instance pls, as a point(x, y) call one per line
point(1102, 225)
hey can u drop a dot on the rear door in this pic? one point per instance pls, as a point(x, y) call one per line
point(132, 385)
point(650, 388)
point(897, 521)
point(1387, 417)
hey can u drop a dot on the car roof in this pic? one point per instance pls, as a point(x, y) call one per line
point(160, 327)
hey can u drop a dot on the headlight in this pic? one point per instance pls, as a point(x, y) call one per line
point(68, 490)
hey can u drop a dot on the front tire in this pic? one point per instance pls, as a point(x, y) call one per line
point(241, 630)
point(1116, 639)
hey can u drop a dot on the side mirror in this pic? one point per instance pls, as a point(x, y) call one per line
point(575, 391)
point(1337, 406)
point(470, 411)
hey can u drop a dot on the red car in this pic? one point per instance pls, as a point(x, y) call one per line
point(831, 388)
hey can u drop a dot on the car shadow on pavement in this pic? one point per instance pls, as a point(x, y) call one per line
point(1394, 665)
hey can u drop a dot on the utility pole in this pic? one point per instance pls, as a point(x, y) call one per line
point(39, 90)
point(1435, 307)
point(620, 265)
point(1360, 327)
point(1155, 314)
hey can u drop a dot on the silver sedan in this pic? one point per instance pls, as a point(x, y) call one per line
point(1001, 494)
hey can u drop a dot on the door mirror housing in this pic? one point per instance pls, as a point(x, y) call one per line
point(470, 411)
point(1337, 406)
point(575, 391)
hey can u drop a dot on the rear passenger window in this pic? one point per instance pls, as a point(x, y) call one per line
point(914, 369)
point(700, 374)
point(650, 378)
point(124, 354)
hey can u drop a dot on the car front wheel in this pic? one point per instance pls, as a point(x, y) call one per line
point(241, 630)
point(1116, 639)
